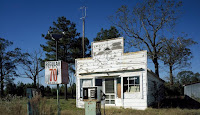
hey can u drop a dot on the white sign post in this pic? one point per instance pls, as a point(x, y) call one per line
point(56, 72)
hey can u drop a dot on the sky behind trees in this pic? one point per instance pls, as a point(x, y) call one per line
point(23, 21)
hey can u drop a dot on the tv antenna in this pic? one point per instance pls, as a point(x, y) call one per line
point(83, 8)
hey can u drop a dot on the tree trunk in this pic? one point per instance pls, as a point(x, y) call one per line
point(34, 84)
point(66, 92)
point(72, 91)
point(171, 76)
point(155, 61)
point(2, 91)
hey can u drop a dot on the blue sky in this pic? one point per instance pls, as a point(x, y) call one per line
point(23, 21)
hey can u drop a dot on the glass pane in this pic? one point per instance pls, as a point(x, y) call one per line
point(133, 88)
point(112, 96)
point(125, 80)
point(98, 82)
point(86, 82)
point(112, 101)
point(107, 101)
point(118, 80)
point(125, 84)
point(107, 96)
point(134, 80)
point(109, 85)
point(137, 81)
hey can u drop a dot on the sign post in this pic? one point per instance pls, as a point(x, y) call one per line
point(56, 72)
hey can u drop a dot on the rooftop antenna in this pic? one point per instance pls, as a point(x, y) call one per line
point(83, 8)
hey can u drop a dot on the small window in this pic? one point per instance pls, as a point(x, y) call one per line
point(98, 82)
point(131, 84)
point(84, 83)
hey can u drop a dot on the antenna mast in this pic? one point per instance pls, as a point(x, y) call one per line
point(83, 37)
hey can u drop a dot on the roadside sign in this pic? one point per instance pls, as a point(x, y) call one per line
point(56, 72)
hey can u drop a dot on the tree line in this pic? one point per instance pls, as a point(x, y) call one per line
point(19, 89)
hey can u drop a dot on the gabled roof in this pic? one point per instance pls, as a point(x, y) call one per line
point(149, 70)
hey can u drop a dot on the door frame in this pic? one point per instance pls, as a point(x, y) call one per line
point(114, 78)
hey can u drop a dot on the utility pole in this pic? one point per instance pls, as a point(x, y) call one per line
point(83, 37)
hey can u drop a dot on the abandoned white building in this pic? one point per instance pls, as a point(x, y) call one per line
point(122, 77)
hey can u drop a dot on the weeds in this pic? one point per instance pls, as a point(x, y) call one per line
point(40, 106)
point(12, 105)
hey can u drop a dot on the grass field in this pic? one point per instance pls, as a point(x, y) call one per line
point(18, 106)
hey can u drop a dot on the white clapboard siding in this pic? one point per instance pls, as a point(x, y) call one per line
point(125, 62)
point(135, 104)
point(109, 60)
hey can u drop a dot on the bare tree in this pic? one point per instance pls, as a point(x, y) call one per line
point(176, 54)
point(146, 23)
point(32, 68)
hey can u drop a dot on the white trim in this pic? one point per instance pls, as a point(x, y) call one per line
point(82, 86)
point(115, 87)
point(122, 88)
point(110, 93)
point(142, 85)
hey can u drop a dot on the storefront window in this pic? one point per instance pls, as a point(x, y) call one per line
point(131, 84)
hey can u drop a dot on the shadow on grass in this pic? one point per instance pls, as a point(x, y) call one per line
point(183, 102)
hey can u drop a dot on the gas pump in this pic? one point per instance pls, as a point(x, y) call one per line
point(92, 99)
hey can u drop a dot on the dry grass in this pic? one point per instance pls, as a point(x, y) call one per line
point(18, 106)
point(42, 106)
point(150, 111)
point(12, 105)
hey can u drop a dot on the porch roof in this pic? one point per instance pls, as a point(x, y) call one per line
point(132, 70)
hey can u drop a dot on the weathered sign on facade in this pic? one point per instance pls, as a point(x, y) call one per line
point(109, 56)
point(56, 72)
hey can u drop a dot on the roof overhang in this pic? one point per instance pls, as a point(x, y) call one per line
point(108, 72)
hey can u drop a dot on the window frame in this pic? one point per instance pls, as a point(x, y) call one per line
point(128, 84)
point(81, 85)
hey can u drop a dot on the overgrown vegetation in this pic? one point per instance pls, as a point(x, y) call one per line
point(10, 105)
point(181, 79)
point(19, 89)
point(18, 106)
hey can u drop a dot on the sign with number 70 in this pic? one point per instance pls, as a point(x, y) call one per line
point(56, 72)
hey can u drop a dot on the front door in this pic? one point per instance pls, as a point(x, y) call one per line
point(109, 91)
